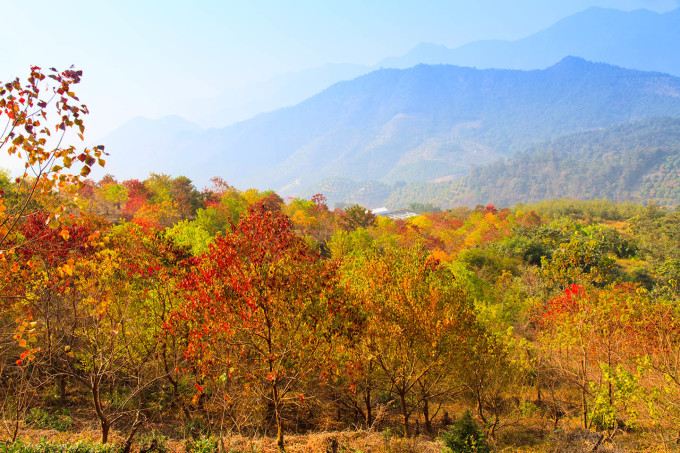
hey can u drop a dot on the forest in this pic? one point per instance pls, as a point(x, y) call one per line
point(154, 316)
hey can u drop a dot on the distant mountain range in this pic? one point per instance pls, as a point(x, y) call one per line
point(640, 39)
point(419, 124)
point(391, 135)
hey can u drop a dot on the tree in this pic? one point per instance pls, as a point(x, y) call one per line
point(260, 312)
point(417, 322)
point(29, 108)
point(107, 334)
point(31, 302)
point(354, 217)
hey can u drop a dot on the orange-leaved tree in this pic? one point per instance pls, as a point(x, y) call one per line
point(419, 323)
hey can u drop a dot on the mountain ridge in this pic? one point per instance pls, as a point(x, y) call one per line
point(639, 39)
point(421, 123)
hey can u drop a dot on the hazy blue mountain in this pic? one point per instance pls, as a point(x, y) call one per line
point(639, 39)
point(425, 123)
point(284, 90)
point(431, 122)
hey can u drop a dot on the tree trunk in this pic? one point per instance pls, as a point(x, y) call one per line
point(404, 413)
point(105, 431)
point(61, 388)
point(584, 402)
point(369, 411)
point(277, 415)
point(426, 415)
point(103, 419)
point(127, 446)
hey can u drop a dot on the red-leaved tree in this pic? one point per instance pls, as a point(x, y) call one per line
point(260, 314)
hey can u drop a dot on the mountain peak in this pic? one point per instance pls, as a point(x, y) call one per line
point(571, 63)
point(571, 60)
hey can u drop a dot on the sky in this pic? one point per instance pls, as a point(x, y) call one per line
point(147, 57)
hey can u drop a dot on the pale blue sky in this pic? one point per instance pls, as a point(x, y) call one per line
point(143, 57)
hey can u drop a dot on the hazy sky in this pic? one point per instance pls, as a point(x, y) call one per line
point(142, 57)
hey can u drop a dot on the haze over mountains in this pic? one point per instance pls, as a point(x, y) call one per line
point(424, 123)
point(416, 124)
point(640, 39)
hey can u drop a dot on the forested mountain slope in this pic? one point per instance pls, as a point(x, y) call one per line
point(425, 123)
point(638, 162)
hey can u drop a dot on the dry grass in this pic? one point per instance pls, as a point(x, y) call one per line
point(342, 442)
point(518, 439)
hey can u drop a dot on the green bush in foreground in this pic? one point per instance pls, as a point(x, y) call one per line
point(42, 419)
point(203, 445)
point(465, 437)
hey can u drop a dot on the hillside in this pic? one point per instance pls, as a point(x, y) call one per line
point(636, 162)
point(419, 124)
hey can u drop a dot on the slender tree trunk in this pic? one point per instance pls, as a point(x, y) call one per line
point(277, 415)
point(103, 419)
point(584, 402)
point(404, 413)
point(61, 388)
point(105, 431)
point(480, 408)
point(127, 446)
point(426, 415)
point(369, 410)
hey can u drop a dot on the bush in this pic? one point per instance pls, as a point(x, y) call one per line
point(465, 437)
point(42, 419)
point(154, 442)
point(202, 445)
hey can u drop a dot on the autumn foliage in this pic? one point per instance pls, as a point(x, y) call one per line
point(152, 305)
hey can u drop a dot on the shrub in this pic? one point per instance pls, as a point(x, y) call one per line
point(465, 437)
point(202, 445)
point(42, 419)
point(154, 442)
